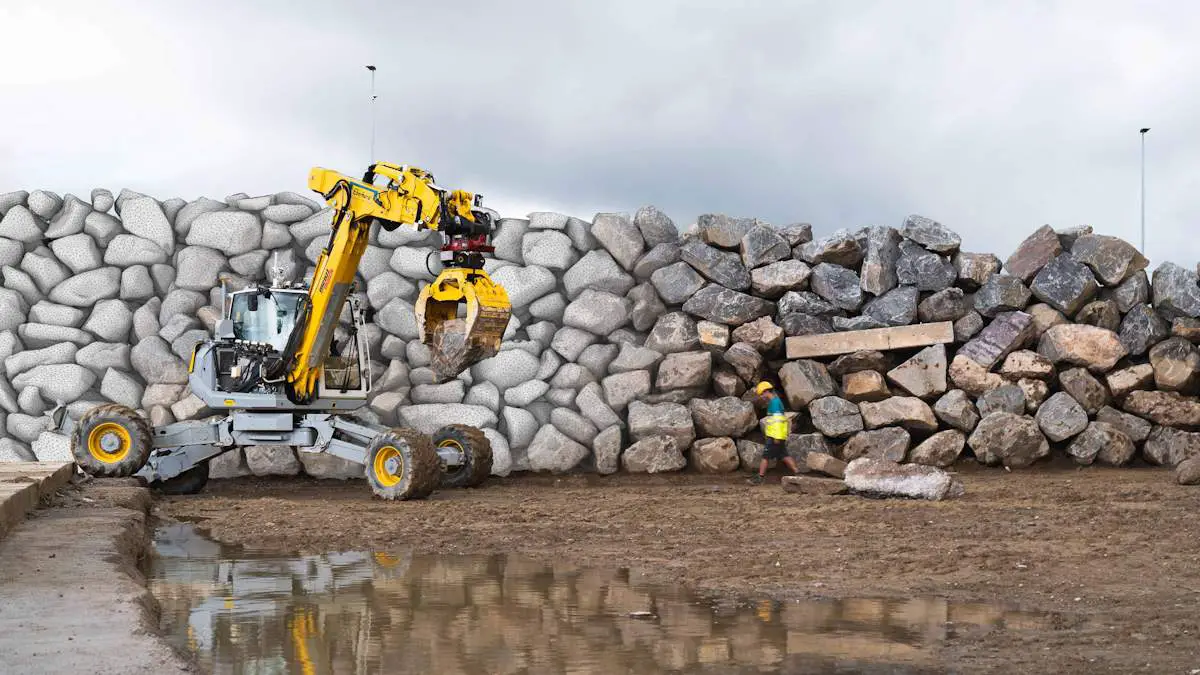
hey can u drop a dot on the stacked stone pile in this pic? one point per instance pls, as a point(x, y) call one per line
point(633, 346)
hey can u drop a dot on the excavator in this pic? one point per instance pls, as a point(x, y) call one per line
point(288, 363)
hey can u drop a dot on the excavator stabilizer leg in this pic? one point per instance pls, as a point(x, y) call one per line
point(458, 343)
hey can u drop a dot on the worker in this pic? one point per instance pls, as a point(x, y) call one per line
point(776, 432)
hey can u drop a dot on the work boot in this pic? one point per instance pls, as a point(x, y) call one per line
point(756, 479)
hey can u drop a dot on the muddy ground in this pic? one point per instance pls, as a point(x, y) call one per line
point(1112, 554)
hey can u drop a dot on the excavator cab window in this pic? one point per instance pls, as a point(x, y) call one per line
point(269, 317)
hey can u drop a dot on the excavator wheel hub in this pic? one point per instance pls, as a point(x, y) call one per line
point(389, 465)
point(109, 442)
point(393, 465)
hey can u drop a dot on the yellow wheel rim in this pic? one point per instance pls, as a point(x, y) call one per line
point(387, 478)
point(109, 442)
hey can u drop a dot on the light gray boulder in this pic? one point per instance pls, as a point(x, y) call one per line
point(520, 426)
point(144, 217)
point(136, 283)
point(127, 250)
point(11, 199)
point(607, 450)
point(620, 237)
point(448, 392)
point(11, 252)
point(549, 308)
point(59, 382)
point(102, 227)
point(30, 402)
point(597, 312)
point(286, 213)
point(553, 451)
point(21, 361)
point(315, 226)
point(508, 239)
point(399, 318)
point(231, 232)
point(383, 287)
point(119, 387)
point(38, 335)
point(26, 428)
point(546, 220)
point(580, 233)
point(622, 388)
point(251, 264)
point(78, 252)
point(100, 356)
point(69, 219)
point(525, 285)
point(596, 270)
point(502, 460)
point(14, 309)
point(574, 426)
point(87, 289)
point(153, 360)
point(485, 394)
point(417, 263)
point(507, 369)
point(549, 249)
point(111, 321)
point(44, 203)
point(19, 224)
point(662, 419)
point(46, 271)
point(429, 417)
point(272, 460)
point(654, 454)
point(597, 358)
point(20, 282)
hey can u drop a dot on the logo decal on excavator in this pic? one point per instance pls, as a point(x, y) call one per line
point(325, 280)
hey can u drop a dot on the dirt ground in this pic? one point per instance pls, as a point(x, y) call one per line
point(1113, 554)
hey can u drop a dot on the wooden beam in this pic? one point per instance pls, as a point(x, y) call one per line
point(879, 339)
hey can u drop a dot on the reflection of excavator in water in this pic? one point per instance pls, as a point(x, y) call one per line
point(276, 371)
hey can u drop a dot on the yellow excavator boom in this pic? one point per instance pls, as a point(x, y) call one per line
point(408, 197)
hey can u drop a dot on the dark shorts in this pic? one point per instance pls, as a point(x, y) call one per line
point(776, 449)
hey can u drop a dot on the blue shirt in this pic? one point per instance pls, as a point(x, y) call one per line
point(775, 406)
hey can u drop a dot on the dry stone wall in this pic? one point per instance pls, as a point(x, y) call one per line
point(633, 345)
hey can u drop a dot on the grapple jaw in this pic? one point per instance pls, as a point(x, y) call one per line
point(456, 343)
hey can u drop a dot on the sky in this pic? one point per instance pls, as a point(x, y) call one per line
point(993, 118)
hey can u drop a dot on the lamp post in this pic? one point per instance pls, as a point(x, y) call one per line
point(372, 157)
point(1142, 132)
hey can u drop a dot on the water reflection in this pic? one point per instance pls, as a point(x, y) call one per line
point(355, 612)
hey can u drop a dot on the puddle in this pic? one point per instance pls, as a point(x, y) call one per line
point(368, 612)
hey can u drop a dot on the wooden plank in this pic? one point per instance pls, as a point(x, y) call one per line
point(878, 339)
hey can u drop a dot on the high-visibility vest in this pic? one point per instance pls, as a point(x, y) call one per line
point(776, 427)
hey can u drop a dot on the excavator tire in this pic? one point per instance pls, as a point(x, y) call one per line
point(111, 440)
point(477, 455)
point(416, 468)
point(189, 482)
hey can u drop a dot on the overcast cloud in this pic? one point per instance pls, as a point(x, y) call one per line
point(992, 117)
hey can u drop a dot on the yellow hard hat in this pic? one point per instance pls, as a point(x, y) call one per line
point(762, 386)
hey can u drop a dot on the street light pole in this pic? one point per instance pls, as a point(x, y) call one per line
point(372, 157)
point(1143, 134)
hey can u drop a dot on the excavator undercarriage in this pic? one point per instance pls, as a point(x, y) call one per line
point(285, 368)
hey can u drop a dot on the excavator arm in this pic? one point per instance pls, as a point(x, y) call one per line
point(396, 196)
